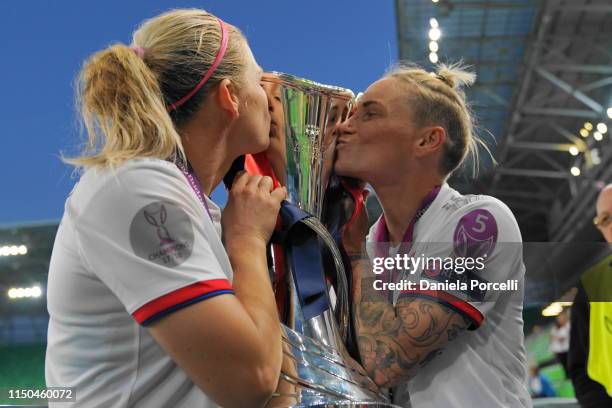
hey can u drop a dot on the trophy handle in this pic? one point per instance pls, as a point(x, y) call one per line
point(341, 310)
point(291, 216)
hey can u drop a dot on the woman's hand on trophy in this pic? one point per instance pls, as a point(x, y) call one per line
point(251, 211)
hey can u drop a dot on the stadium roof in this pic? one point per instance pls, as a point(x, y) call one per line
point(544, 72)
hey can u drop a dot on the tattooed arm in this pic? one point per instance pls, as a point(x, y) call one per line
point(395, 342)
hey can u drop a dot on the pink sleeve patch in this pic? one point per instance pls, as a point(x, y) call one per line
point(476, 234)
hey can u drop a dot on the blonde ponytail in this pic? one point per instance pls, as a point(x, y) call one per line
point(123, 111)
point(123, 93)
point(455, 75)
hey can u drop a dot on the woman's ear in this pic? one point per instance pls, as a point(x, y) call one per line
point(431, 140)
point(227, 98)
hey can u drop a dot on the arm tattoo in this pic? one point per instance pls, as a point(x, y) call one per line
point(395, 342)
point(454, 331)
point(368, 292)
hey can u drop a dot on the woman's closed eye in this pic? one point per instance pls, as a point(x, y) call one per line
point(368, 115)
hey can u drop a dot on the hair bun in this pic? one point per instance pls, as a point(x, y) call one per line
point(455, 75)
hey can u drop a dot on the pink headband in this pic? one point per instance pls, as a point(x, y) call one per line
point(209, 72)
point(138, 50)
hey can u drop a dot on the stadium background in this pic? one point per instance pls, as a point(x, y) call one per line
point(544, 96)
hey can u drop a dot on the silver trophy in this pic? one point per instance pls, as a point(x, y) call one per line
point(317, 369)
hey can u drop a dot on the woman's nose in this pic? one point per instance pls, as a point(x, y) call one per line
point(345, 127)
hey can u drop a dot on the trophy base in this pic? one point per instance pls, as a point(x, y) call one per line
point(315, 375)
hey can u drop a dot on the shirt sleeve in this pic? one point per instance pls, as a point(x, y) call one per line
point(484, 244)
point(145, 235)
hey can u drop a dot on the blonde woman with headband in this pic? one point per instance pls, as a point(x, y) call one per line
point(148, 307)
point(432, 344)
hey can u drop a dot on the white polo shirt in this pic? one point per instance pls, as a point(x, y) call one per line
point(484, 366)
point(134, 244)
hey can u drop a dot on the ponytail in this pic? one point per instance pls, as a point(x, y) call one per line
point(123, 111)
point(123, 93)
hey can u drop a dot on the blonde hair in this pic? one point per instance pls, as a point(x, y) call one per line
point(123, 96)
point(440, 100)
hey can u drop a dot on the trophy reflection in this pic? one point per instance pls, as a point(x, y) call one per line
point(308, 272)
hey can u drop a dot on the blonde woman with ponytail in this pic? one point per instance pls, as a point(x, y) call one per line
point(148, 307)
point(423, 330)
